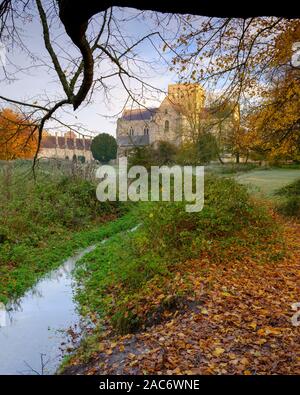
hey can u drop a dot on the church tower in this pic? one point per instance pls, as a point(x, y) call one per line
point(188, 97)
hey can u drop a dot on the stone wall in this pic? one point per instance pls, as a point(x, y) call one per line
point(59, 153)
point(167, 113)
point(123, 127)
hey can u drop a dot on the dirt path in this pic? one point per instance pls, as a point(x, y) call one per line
point(241, 326)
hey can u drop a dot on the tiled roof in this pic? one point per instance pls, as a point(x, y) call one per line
point(131, 141)
point(138, 114)
point(50, 143)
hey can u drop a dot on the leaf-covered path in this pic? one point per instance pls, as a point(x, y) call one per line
point(240, 323)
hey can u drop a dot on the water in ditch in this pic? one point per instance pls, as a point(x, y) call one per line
point(34, 328)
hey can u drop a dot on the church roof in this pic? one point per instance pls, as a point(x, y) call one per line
point(138, 114)
point(132, 141)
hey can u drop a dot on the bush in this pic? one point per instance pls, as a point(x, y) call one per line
point(163, 154)
point(227, 209)
point(142, 156)
point(294, 165)
point(32, 211)
point(200, 153)
point(207, 148)
point(187, 155)
point(292, 189)
point(291, 204)
point(291, 207)
point(104, 147)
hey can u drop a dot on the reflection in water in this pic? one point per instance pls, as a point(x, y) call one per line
point(32, 328)
point(3, 317)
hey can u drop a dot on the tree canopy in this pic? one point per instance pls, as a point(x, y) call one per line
point(104, 147)
point(17, 137)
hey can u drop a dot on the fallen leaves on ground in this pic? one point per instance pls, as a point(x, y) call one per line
point(241, 324)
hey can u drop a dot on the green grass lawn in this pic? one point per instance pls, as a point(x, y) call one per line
point(266, 182)
point(34, 262)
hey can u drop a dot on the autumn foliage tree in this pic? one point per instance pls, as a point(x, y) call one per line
point(276, 127)
point(18, 139)
point(250, 64)
point(276, 124)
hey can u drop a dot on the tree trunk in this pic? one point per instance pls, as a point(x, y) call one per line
point(220, 159)
point(247, 157)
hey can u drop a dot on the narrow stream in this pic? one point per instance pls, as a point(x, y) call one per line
point(33, 328)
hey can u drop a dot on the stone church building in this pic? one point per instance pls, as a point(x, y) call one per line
point(178, 114)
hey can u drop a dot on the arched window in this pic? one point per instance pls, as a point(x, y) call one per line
point(167, 126)
point(146, 131)
point(131, 131)
point(74, 158)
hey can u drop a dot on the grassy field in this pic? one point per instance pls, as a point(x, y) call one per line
point(266, 182)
